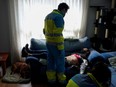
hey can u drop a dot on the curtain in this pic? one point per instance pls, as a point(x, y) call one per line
point(27, 20)
point(15, 46)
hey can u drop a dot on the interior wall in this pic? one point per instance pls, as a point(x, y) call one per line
point(4, 27)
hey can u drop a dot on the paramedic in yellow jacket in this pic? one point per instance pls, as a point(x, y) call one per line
point(53, 27)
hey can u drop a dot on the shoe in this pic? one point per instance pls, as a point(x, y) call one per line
point(24, 53)
point(27, 48)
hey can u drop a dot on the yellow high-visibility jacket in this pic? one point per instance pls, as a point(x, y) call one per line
point(54, 25)
point(83, 80)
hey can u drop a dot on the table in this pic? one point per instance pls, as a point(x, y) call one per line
point(3, 58)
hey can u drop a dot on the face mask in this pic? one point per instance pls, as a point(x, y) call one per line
point(64, 12)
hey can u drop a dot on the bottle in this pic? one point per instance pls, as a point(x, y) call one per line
point(83, 66)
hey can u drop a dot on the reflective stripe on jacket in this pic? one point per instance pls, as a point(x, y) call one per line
point(83, 80)
point(54, 25)
point(51, 75)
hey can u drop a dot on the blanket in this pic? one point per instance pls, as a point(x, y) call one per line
point(14, 78)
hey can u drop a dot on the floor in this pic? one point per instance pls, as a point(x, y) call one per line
point(2, 84)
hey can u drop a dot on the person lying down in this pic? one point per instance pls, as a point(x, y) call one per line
point(78, 60)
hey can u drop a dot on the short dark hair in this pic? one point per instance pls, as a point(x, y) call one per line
point(63, 6)
point(101, 72)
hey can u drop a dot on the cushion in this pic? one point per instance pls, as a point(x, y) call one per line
point(70, 45)
point(107, 55)
point(75, 45)
point(94, 55)
point(85, 41)
point(38, 44)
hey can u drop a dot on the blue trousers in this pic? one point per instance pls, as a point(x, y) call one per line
point(55, 59)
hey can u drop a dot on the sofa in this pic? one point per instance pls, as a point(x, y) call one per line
point(38, 48)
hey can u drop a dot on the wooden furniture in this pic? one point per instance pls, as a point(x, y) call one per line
point(3, 58)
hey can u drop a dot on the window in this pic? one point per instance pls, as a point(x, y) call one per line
point(27, 21)
point(33, 12)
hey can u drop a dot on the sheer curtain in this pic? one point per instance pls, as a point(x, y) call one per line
point(27, 20)
point(15, 45)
